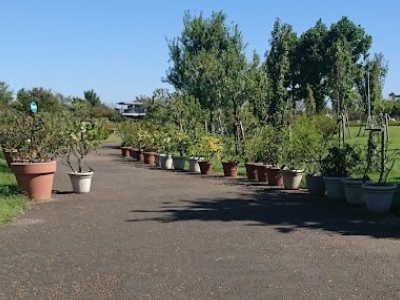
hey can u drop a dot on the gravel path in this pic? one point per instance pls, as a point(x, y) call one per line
point(152, 234)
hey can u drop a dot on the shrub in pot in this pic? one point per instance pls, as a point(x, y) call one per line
point(338, 164)
point(210, 146)
point(181, 143)
point(37, 139)
point(378, 196)
point(83, 135)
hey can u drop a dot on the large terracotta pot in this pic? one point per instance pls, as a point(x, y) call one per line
point(206, 167)
point(230, 168)
point(274, 175)
point(35, 179)
point(149, 158)
point(251, 171)
point(126, 151)
point(262, 172)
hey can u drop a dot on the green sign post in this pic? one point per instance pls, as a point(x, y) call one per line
point(34, 107)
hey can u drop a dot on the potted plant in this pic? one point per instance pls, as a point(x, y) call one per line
point(124, 131)
point(295, 148)
point(194, 155)
point(230, 157)
point(338, 164)
point(274, 156)
point(378, 196)
point(320, 132)
point(37, 140)
point(210, 146)
point(83, 136)
point(181, 142)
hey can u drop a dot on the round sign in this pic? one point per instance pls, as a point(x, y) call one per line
point(34, 107)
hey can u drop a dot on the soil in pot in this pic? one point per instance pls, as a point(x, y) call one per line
point(315, 185)
point(35, 179)
point(206, 167)
point(251, 171)
point(230, 169)
point(274, 175)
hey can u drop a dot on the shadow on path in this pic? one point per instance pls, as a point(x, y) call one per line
point(286, 212)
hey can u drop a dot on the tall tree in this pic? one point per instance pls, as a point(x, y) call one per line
point(92, 98)
point(6, 95)
point(279, 71)
point(196, 56)
point(311, 58)
point(346, 45)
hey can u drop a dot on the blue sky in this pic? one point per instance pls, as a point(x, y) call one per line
point(119, 48)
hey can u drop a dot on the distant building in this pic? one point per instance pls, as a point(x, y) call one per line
point(131, 109)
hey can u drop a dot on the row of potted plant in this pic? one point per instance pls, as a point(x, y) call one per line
point(278, 156)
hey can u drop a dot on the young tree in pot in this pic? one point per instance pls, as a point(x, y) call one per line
point(83, 135)
point(196, 136)
point(181, 141)
point(210, 147)
point(338, 164)
point(378, 196)
point(124, 130)
point(231, 157)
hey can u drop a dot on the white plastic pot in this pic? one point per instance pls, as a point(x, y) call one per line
point(292, 179)
point(81, 182)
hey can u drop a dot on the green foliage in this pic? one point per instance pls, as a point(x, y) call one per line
point(210, 146)
point(279, 70)
point(342, 161)
point(6, 95)
point(83, 135)
point(37, 137)
point(47, 100)
point(92, 98)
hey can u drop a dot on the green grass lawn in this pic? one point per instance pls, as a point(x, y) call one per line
point(12, 203)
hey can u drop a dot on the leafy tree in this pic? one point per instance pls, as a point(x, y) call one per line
point(47, 100)
point(279, 71)
point(6, 95)
point(197, 65)
point(92, 98)
point(346, 44)
point(312, 63)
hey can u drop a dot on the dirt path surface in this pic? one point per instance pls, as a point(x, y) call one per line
point(152, 234)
